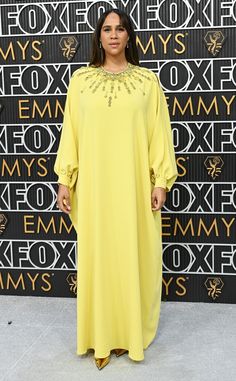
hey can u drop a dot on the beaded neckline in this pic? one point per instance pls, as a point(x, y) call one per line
point(129, 65)
point(112, 84)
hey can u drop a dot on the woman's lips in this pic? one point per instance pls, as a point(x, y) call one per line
point(114, 45)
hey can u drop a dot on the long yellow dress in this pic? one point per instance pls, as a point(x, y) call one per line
point(116, 145)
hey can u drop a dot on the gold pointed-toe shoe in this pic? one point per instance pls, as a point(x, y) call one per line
point(120, 351)
point(101, 362)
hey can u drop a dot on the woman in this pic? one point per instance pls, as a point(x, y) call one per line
point(115, 163)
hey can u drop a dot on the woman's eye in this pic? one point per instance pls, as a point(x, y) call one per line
point(107, 30)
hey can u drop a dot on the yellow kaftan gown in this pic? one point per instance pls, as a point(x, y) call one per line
point(116, 145)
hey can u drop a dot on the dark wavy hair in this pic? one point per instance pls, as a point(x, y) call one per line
point(98, 54)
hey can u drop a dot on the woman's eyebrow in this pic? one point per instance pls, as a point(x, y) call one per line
point(110, 25)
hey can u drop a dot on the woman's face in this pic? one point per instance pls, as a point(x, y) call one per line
point(113, 36)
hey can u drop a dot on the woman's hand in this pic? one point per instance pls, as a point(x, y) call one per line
point(158, 198)
point(63, 199)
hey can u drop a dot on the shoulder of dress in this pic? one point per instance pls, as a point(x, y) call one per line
point(152, 74)
point(81, 70)
point(148, 73)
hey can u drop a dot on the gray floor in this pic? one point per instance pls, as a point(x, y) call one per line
point(195, 342)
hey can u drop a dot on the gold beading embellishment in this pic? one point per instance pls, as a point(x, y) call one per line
point(65, 172)
point(153, 176)
point(112, 83)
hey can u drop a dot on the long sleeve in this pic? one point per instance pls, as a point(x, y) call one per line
point(162, 161)
point(67, 163)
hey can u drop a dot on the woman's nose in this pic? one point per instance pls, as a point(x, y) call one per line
point(113, 33)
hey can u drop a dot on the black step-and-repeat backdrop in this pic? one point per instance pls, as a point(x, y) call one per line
point(190, 44)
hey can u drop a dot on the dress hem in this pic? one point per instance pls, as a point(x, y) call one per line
point(80, 353)
point(108, 354)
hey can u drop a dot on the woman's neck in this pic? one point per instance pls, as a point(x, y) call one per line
point(112, 63)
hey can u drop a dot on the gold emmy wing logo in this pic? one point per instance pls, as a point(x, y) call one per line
point(214, 41)
point(214, 286)
point(68, 46)
point(72, 281)
point(213, 165)
point(3, 222)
